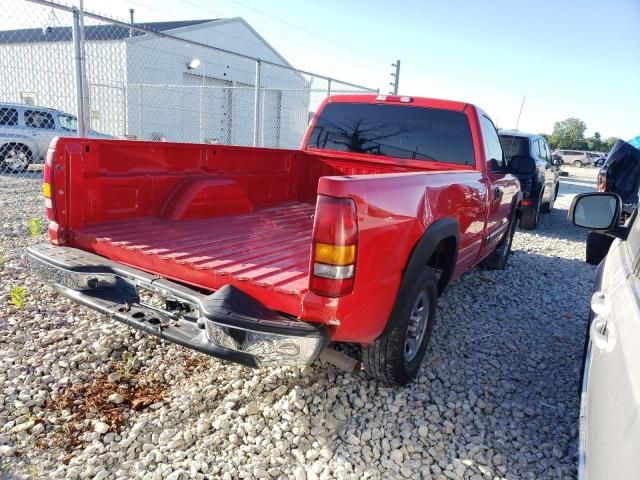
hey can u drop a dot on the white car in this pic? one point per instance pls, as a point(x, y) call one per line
point(610, 393)
point(26, 132)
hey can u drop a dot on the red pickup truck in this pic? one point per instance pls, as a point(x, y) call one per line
point(263, 256)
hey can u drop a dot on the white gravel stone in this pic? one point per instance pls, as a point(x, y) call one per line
point(116, 398)
point(495, 397)
point(101, 428)
point(7, 451)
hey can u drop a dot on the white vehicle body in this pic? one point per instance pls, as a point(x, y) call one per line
point(26, 132)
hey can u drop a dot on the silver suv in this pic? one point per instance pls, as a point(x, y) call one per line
point(26, 132)
point(575, 158)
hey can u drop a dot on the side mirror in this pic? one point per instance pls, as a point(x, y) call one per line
point(596, 211)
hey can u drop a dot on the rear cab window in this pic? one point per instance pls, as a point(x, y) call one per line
point(513, 146)
point(397, 131)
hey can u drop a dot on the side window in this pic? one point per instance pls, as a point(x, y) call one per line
point(535, 149)
point(35, 119)
point(494, 149)
point(547, 152)
point(8, 117)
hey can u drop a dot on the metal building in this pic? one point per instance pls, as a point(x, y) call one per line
point(155, 87)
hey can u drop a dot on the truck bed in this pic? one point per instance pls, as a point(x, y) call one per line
point(267, 247)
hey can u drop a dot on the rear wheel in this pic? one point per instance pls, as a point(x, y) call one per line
point(530, 217)
point(14, 158)
point(577, 164)
point(498, 259)
point(395, 357)
point(548, 206)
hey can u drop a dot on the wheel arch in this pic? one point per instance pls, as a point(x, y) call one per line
point(438, 247)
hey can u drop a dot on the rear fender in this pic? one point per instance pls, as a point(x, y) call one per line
point(419, 258)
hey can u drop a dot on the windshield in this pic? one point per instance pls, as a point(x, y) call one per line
point(398, 131)
point(67, 122)
point(513, 146)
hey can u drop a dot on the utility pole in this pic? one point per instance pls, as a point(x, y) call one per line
point(396, 77)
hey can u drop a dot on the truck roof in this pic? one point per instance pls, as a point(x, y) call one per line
point(415, 101)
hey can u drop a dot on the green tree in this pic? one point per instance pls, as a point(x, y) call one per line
point(595, 143)
point(569, 133)
point(610, 142)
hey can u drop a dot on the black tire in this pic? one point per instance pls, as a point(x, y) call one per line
point(387, 359)
point(577, 164)
point(597, 247)
point(530, 217)
point(498, 259)
point(14, 158)
point(546, 207)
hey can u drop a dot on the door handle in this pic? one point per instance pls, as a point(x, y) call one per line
point(599, 334)
point(497, 192)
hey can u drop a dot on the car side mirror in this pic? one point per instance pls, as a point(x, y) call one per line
point(596, 211)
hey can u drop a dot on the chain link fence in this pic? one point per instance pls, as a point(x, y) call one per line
point(64, 72)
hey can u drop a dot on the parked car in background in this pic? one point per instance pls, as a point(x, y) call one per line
point(575, 158)
point(528, 158)
point(610, 383)
point(26, 132)
point(263, 256)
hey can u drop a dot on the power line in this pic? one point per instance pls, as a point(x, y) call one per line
point(332, 54)
point(304, 30)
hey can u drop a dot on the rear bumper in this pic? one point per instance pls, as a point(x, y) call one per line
point(227, 324)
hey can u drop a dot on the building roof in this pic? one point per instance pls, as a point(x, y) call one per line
point(92, 32)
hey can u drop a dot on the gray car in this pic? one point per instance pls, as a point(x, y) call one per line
point(610, 396)
point(26, 132)
point(575, 158)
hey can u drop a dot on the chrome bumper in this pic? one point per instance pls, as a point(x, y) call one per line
point(227, 324)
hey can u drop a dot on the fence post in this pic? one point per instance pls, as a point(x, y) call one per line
point(140, 112)
point(256, 120)
point(82, 129)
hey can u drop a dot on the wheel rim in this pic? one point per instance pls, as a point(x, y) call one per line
point(417, 326)
point(16, 159)
point(577, 163)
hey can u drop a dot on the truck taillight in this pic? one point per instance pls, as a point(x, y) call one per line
point(56, 233)
point(47, 186)
point(602, 182)
point(335, 247)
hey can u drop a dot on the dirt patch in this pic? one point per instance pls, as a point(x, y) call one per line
point(95, 402)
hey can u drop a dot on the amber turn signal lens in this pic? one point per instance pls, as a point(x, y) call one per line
point(335, 254)
point(46, 189)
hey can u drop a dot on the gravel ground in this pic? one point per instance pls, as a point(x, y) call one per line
point(84, 397)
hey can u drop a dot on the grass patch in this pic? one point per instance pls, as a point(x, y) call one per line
point(19, 297)
point(35, 227)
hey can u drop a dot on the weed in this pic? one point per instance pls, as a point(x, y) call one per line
point(33, 471)
point(19, 297)
point(127, 368)
point(35, 227)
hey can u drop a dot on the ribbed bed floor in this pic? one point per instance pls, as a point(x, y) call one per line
point(268, 247)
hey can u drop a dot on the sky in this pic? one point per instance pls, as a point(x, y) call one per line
point(571, 58)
